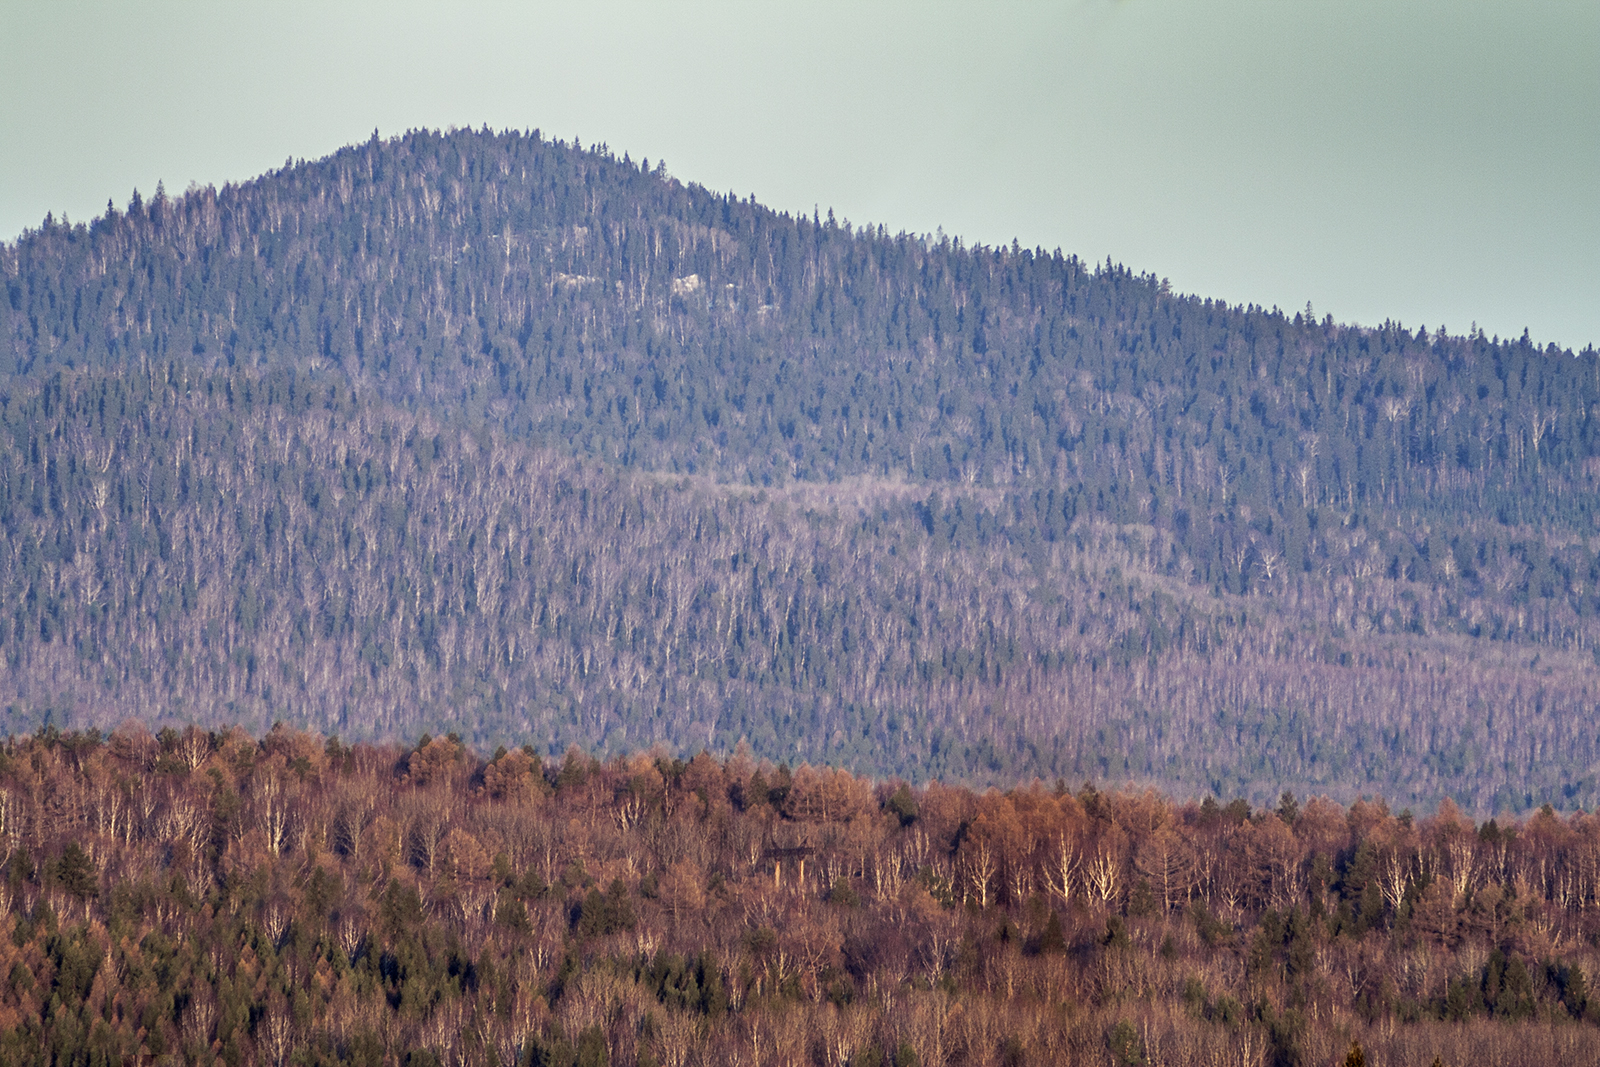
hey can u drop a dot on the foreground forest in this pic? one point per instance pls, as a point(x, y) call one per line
point(205, 898)
point(492, 433)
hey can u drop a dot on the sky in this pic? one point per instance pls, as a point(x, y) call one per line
point(1428, 162)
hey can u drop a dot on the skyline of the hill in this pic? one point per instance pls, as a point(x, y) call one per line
point(1411, 161)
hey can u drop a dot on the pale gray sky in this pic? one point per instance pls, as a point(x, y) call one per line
point(1430, 161)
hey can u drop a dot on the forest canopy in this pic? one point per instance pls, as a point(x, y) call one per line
point(502, 435)
point(218, 898)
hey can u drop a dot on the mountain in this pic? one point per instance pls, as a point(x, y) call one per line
point(505, 436)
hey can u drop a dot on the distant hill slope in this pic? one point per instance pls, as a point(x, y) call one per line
point(488, 430)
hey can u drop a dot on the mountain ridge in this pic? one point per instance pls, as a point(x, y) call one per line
point(1130, 481)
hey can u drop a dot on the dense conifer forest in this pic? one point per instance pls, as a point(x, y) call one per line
point(214, 898)
point(506, 436)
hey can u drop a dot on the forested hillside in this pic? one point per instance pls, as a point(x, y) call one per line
point(503, 435)
point(291, 901)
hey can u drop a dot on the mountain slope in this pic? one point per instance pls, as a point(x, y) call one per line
point(482, 429)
